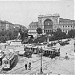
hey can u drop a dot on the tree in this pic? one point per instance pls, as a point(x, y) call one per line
point(40, 39)
point(64, 35)
point(31, 37)
point(59, 34)
point(59, 30)
point(39, 30)
point(71, 33)
point(30, 41)
point(24, 35)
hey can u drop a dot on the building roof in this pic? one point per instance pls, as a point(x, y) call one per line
point(65, 20)
point(5, 22)
point(48, 15)
point(33, 24)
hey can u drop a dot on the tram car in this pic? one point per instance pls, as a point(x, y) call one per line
point(8, 61)
point(49, 52)
point(64, 43)
point(28, 52)
point(51, 44)
point(27, 47)
point(57, 51)
point(35, 50)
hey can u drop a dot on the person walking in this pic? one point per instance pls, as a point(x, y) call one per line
point(66, 57)
point(25, 66)
point(29, 65)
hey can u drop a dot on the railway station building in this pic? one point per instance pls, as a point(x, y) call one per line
point(50, 23)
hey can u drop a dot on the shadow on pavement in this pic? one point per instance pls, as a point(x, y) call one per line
point(15, 63)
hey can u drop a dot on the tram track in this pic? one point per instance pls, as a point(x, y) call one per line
point(21, 67)
point(33, 61)
point(33, 69)
point(36, 68)
point(14, 71)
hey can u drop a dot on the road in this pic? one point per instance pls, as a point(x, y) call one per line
point(58, 65)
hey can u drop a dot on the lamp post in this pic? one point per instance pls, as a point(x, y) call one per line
point(41, 63)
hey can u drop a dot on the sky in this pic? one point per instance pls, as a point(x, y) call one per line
point(24, 12)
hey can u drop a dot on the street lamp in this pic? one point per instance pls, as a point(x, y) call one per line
point(41, 63)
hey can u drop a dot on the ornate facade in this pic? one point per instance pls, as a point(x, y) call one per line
point(50, 23)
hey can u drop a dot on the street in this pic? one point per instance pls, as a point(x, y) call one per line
point(57, 65)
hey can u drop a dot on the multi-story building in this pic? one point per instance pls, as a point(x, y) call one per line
point(66, 25)
point(32, 28)
point(5, 25)
point(50, 23)
point(2, 25)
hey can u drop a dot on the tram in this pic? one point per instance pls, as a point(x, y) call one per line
point(52, 53)
point(35, 50)
point(28, 52)
point(64, 43)
point(57, 51)
point(8, 61)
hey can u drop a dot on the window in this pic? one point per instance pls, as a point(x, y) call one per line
point(3, 29)
point(6, 62)
point(48, 30)
point(50, 52)
point(44, 31)
point(47, 52)
point(40, 21)
point(55, 30)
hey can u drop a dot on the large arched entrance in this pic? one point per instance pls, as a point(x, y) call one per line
point(48, 26)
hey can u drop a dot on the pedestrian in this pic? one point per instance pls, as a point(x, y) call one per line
point(29, 65)
point(66, 57)
point(25, 66)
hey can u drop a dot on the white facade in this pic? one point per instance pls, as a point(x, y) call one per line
point(50, 23)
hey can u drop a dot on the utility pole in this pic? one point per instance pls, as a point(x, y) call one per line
point(41, 72)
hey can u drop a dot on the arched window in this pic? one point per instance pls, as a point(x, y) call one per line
point(48, 25)
point(48, 22)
